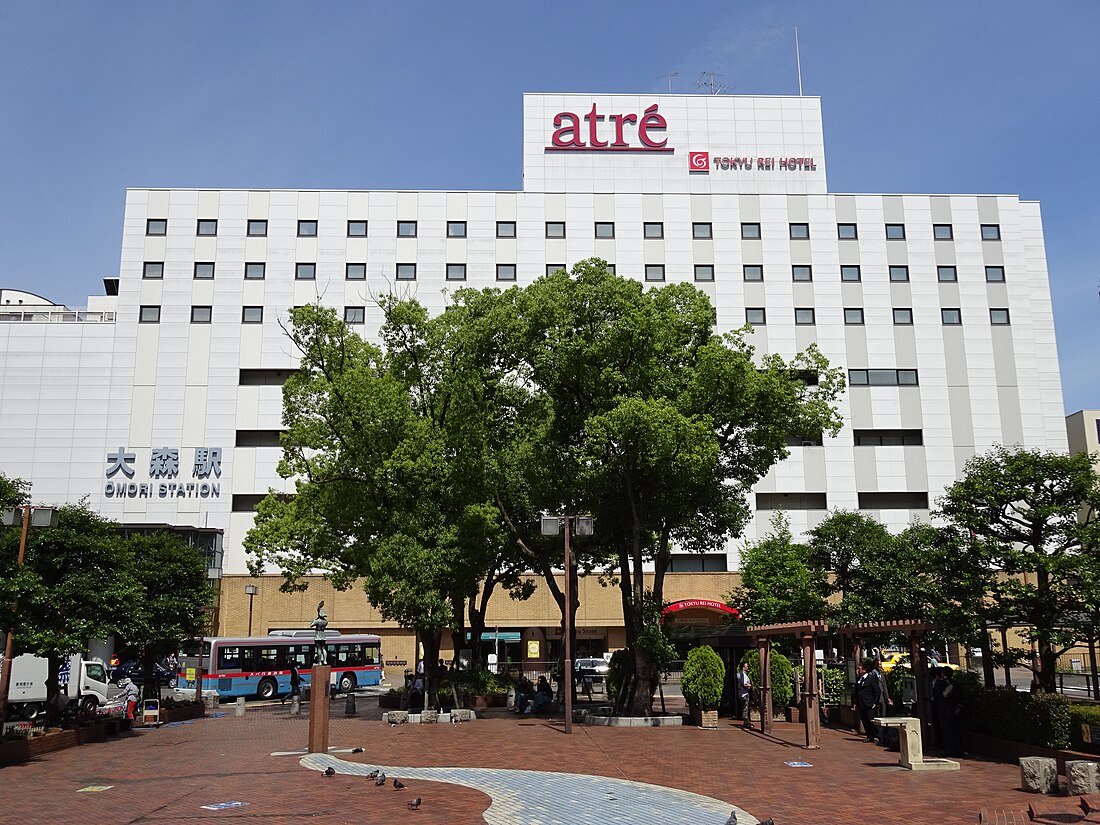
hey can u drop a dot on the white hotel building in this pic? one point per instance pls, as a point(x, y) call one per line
point(162, 403)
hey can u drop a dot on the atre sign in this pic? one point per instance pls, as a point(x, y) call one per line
point(628, 132)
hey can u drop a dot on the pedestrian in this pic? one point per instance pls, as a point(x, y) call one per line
point(130, 696)
point(868, 694)
point(295, 682)
point(883, 708)
point(946, 711)
point(744, 693)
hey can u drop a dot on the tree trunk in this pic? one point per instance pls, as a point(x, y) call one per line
point(53, 687)
point(1048, 657)
point(989, 673)
point(151, 687)
point(430, 640)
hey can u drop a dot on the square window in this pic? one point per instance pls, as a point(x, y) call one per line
point(846, 231)
point(804, 316)
point(750, 231)
point(456, 272)
point(899, 274)
point(255, 271)
point(853, 316)
point(801, 272)
point(999, 317)
point(610, 268)
point(903, 316)
point(355, 315)
point(252, 315)
point(305, 272)
point(754, 272)
point(946, 274)
point(257, 229)
point(704, 272)
point(552, 268)
point(156, 226)
point(995, 274)
point(357, 229)
point(201, 315)
point(406, 272)
point(755, 316)
point(506, 229)
point(604, 229)
point(858, 378)
point(991, 232)
point(456, 229)
point(895, 232)
point(654, 272)
point(355, 272)
point(951, 316)
point(800, 231)
point(206, 226)
point(850, 272)
point(907, 378)
point(152, 270)
point(406, 229)
point(506, 272)
point(942, 231)
point(555, 229)
point(307, 229)
point(702, 231)
point(653, 231)
point(149, 315)
point(204, 270)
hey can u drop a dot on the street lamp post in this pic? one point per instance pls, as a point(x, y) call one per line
point(251, 590)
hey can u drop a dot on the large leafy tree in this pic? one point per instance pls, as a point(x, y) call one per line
point(13, 492)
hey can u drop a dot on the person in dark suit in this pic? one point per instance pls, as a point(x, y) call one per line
point(868, 695)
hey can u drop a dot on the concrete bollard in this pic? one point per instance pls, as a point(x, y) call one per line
point(295, 706)
point(349, 705)
point(1038, 774)
point(239, 710)
point(1082, 777)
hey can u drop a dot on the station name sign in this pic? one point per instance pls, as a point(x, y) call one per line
point(629, 132)
point(164, 465)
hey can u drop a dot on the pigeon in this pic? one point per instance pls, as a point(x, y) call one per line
point(381, 780)
point(356, 750)
point(768, 821)
point(454, 720)
point(330, 771)
point(414, 804)
point(373, 774)
point(398, 784)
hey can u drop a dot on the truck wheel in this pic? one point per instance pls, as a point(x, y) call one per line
point(32, 711)
point(267, 689)
point(89, 704)
point(348, 683)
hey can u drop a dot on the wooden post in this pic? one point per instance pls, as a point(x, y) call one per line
point(857, 657)
point(318, 709)
point(810, 704)
point(764, 649)
point(920, 674)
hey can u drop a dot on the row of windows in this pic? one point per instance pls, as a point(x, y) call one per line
point(150, 314)
point(866, 501)
point(853, 316)
point(655, 230)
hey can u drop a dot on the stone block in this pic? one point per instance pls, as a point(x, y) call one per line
point(1038, 774)
point(462, 715)
point(396, 717)
point(429, 717)
point(1082, 777)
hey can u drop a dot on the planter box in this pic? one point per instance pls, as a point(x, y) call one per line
point(390, 702)
point(24, 750)
point(673, 721)
point(481, 701)
point(182, 713)
point(704, 718)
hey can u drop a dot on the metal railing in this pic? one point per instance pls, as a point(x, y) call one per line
point(56, 316)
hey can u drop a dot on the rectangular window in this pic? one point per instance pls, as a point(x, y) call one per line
point(406, 229)
point(456, 272)
point(307, 229)
point(704, 272)
point(257, 229)
point(255, 271)
point(995, 274)
point(156, 226)
point(899, 274)
point(999, 317)
point(654, 272)
point(754, 272)
point(252, 315)
point(206, 226)
point(991, 232)
point(201, 315)
point(888, 438)
point(355, 315)
point(406, 272)
point(846, 231)
point(882, 378)
point(951, 316)
point(903, 316)
point(305, 272)
point(702, 231)
point(800, 231)
point(942, 231)
point(506, 229)
point(604, 229)
point(791, 501)
point(895, 232)
point(355, 272)
point(946, 274)
point(149, 315)
point(204, 270)
point(264, 377)
point(850, 272)
point(750, 231)
point(853, 316)
point(555, 229)
point(259, 438)
point(756, 316)
point(653, 231)
point(357, 229)
point(506, 272)
point(804, 316)
point(806, 440)
point(456, 229)
point(153, 270)
point(802, 272)
point(552, 268)
point(697, 563)
point(893, 501)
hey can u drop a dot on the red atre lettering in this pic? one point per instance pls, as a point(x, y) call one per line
point(569, 134)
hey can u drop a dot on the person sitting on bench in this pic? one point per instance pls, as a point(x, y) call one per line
point(544, 696)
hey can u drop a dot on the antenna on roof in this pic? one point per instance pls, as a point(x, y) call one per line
point(798, 61)
point(669, 77)
point(707, 80)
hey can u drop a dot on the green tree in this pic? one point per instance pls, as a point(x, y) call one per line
point(704, 677)
point(843, 543)
point(13, 493)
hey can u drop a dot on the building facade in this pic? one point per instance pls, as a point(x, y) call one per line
point(162, 402)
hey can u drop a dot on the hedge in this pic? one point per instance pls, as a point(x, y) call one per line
point(1083, 715)
point(1035, 719)
point(782, 682)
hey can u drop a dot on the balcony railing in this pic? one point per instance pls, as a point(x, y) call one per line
point(55, 316)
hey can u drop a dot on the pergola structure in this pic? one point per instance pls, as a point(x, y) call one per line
point(806, 632)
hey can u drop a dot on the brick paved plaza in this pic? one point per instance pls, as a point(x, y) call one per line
point(167, 775)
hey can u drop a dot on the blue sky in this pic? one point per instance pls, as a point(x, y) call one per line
point(941, 97)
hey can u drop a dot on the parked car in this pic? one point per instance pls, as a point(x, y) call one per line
point(902, 660)
point(136, 674)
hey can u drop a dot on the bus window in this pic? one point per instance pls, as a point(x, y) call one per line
point(266, 658)
point(229, 658)
point(373, 655)
point(301, 655)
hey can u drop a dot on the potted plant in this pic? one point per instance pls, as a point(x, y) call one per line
point(702, 682)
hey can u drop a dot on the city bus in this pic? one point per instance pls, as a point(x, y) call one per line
point(260, 665)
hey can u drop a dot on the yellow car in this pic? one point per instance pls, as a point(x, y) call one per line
point(902, 660)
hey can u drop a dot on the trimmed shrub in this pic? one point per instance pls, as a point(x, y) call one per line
point(704, 676)
point(782, 677)
point(617, 669)
point(1041, 719)
point(833, 680)
point(1083, 715)
point(475, 681)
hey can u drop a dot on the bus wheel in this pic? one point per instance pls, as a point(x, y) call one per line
point(89, 704)
point(348, 683)
point(267, 689)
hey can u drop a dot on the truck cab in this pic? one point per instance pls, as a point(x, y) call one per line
point(85, 681)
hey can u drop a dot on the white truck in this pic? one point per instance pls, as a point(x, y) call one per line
point(80, 679)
